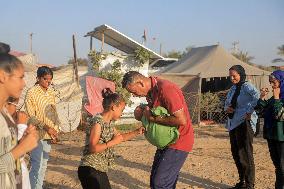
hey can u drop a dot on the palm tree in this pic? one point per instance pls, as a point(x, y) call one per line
point(243, 56)
point(281, 50)
point(281, 53)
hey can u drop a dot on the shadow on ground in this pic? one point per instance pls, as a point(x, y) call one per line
point(185, 178)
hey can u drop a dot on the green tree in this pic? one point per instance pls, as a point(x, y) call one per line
point(115, 75)
point(173, 54)
point(96, 58)
point(141, 56)
point(243, 56)
point(81, 61)
point(187, 50)
point(210, 102)
point(178, 54)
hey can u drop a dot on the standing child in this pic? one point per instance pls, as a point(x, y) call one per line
point(11, 84)
point(101, 136)
point(40, 104)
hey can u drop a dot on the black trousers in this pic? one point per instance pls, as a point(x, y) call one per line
point(91, 178)
point(241, 139)
point(276, 149)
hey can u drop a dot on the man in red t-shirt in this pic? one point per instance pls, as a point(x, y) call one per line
point(167, 162)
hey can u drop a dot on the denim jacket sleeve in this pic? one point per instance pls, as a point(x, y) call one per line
point(228, 98)
point(254, 93)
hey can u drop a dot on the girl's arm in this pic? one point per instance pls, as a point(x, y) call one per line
point(130, 135)
point(28, 142)
point(94, 145)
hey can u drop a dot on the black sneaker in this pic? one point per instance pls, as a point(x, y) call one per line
point(240, 185)
point(250, 187)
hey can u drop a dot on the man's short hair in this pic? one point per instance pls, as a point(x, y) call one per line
point(130, 78)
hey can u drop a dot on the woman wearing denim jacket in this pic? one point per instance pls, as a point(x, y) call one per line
point(242, 119)
point(273, 130)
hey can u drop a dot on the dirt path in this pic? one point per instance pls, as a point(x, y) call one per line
point(210, 165)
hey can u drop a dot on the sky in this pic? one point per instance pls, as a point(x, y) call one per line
point(257, 25)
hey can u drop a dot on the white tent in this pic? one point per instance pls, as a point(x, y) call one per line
point(206, 69)
point(210, 64)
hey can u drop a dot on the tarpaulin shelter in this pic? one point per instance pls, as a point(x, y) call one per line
point(94, 88)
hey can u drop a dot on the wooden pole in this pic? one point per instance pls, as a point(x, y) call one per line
point(161, 49)
point(31, 42)
point(103, 41)
point(75, 64)
point(199, 99)
point(91, 43)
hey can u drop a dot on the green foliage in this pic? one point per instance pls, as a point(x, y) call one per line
point(174, 54)
point(96, 58)
point(115, 75)
point(141, 56)
point(210, 102)
point(81, 61)
point(178, 54)
point(243, 56)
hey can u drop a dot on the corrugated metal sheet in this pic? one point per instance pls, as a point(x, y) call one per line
point(119, 41)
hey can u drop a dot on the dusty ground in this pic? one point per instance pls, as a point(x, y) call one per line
point(210, 165)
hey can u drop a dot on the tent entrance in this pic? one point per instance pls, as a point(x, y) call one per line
point(215, 84)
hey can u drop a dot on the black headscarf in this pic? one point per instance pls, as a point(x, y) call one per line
point(241, 71)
